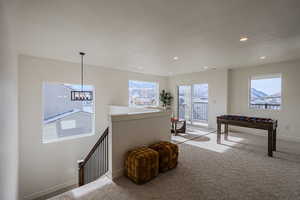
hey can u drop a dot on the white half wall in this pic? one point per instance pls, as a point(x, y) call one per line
point(48, 167)
point(129, 131)
point(217, 91)
point(8, 105)
point(288, 116)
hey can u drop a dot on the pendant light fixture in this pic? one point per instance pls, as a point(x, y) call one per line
point(81, 95)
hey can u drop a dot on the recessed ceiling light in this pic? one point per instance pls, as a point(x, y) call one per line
point(175, 58)
point(243, 39)
point(205, 67)
point(262, 57)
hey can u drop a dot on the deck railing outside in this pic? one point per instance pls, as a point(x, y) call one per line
point(199, 111)
point(181, 111)
point(265, 106)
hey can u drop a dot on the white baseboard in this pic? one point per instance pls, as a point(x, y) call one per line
point(50, 190)
point(279, 137)
point(288, 138)
point(115, 174)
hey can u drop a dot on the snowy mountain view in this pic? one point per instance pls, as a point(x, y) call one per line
point(259, 97)
point(265, 93)
point(143, 93)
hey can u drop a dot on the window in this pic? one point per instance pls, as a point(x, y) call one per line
point(265, 92)
point(63, 118)
point(143, 93)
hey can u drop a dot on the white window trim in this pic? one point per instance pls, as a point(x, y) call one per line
point(264, 76)
point(157, 97)
point(67, 137)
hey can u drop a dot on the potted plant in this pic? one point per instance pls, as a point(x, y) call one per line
point(165, 98)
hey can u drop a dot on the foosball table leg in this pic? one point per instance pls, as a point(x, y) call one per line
point(270, 142)
point(274, 139)
point(226, 132)
point(219, 133)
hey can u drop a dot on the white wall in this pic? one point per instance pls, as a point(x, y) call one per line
point(217, 86)
point(8, 105)
point(288, 116)
point(47, 167)
point(135, 130)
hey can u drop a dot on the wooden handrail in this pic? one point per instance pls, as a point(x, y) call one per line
point(105, 133)
point(82, 163)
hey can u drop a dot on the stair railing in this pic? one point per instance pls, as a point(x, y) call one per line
point(96, 162)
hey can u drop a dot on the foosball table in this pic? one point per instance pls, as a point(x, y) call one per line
point(249, 122)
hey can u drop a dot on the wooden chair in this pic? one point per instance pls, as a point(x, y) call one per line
point(174, 128)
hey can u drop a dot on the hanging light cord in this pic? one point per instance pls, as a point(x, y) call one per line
point(82, 54)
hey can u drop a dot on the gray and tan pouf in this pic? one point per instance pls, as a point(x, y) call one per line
point(141, 165)
point(168, 155)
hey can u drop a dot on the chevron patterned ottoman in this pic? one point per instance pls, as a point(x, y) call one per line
point(168, 155)
point(141, 165)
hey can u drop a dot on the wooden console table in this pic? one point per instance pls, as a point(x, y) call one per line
point(249, 122)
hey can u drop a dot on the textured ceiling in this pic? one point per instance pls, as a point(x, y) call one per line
point(145, 35)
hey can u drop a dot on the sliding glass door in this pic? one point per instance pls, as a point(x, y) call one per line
point(193, 103)
point(184, 102)
point(200, 103)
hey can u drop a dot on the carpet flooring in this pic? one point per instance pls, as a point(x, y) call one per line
point(237, 169)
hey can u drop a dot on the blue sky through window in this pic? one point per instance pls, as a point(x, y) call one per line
point(78, 87)
point(269, 86)
point(141, 84)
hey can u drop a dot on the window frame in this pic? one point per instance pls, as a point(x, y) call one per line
point(157, 96)
point(92, 133)
point(264, 76)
